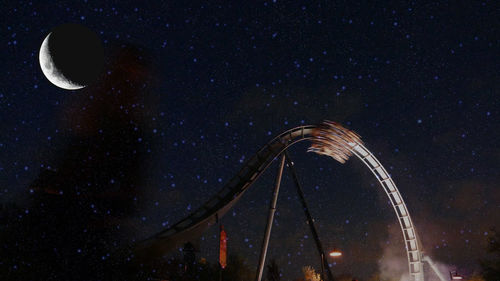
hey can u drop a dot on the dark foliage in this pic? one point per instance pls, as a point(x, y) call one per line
point(491, 266)
point(273, 271)
point(76, 225)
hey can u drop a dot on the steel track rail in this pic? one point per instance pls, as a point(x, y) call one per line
point(205, 216)
point(194, 224)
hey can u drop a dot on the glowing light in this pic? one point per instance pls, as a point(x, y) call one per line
point(335, 253)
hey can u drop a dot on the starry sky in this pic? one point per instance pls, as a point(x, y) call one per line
point(417, 80)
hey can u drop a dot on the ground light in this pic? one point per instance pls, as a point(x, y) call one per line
point(335, 253)
point(455, 276)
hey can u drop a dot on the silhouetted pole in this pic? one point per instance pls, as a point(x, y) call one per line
point(324, 263)
point(270, 218)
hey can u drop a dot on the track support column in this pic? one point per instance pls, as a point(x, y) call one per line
point(270, 219)
point(310, 221)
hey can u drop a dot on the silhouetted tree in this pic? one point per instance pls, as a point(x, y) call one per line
point(491, 266)
point(189, 257)
point(172, 269)
point(273, 272)
point(238, 269)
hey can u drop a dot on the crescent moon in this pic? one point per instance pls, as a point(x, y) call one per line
point(49, 69)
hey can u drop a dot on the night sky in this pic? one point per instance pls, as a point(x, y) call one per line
point(417, 81)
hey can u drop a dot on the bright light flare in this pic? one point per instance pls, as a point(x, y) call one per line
point(335, 254)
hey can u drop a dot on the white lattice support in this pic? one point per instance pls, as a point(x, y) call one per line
point(328, 138)
point(412, 246)
point(333, 140)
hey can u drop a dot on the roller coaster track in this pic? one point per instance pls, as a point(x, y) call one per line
point(328, 138)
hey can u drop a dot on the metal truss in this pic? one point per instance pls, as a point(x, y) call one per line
point(328, 138)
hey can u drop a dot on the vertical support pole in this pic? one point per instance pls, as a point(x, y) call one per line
point(270, 218)
point(322, 266)
point(324, 263)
